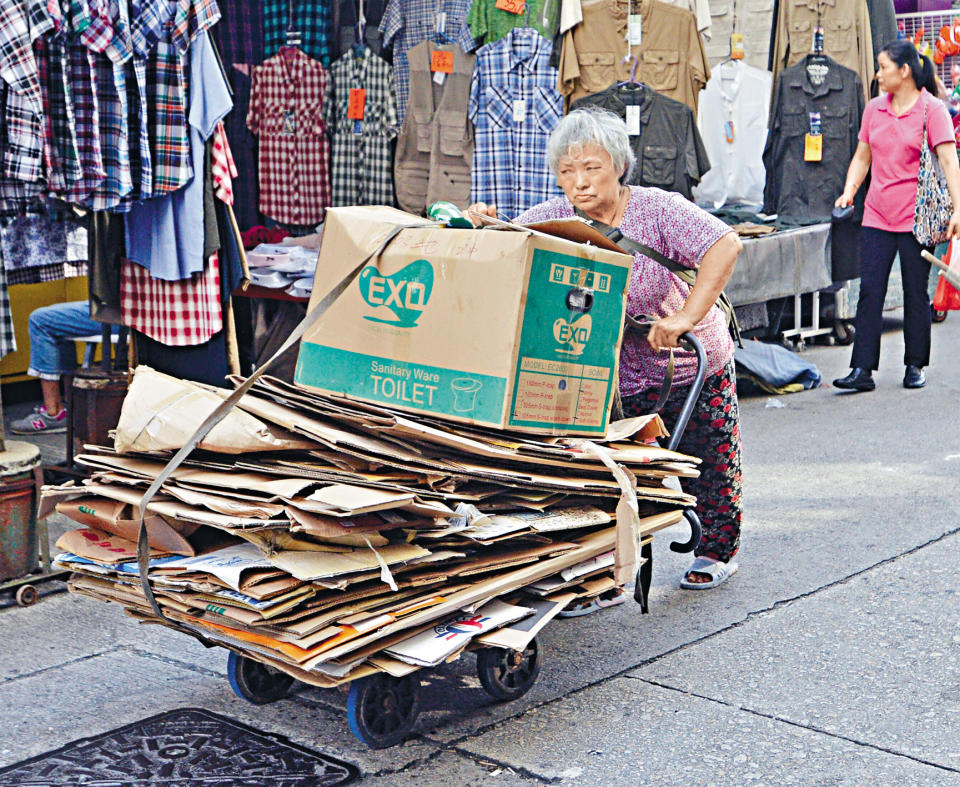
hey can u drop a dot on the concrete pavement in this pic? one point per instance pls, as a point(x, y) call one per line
point(831, 658)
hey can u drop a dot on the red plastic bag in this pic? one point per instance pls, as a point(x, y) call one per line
point(946, 298)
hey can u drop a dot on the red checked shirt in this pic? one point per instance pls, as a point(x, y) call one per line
point(175, 313)
point(286, 106)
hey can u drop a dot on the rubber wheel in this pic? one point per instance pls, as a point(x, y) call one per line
point(27, 595)
point(508, 674)
point(256, 682)
point(938, 316)
point(381, 709)
point(844, 332)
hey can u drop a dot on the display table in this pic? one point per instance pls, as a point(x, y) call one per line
point(782, 264)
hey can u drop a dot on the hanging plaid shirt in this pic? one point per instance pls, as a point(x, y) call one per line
point(20, 24)
point(114, 136)
point(361, 165)
point(61, 156)
point(167, 119)
point(514, 105)
point(239, 35)
point(175, 313)
point(310, 18)
point(407, 23)
point(286, 111)
point(86, 115)
point(222, 167)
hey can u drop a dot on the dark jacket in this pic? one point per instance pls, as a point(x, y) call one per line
point(670, 153)
point(803, 192)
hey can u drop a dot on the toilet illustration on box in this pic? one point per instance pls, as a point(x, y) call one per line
point(465, 390)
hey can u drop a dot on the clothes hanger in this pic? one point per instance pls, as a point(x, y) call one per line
point(293, 38)
point(632, 81)
point(360, 45)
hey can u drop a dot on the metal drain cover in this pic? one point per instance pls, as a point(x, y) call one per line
point(181, 748)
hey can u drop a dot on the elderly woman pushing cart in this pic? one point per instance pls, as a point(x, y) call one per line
point(590, 154)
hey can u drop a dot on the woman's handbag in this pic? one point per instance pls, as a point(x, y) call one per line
point(931, 214)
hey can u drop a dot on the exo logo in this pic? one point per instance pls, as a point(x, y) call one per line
point(574, 334)
point(405, 293)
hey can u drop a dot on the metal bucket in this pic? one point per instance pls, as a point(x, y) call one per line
point(18, 507)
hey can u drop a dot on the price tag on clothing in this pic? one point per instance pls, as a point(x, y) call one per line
point(439, 77)
point(442, 22)
point(634, 29)
point(816, 129)
point(357, 126)
point(633, 120)
point(736, 46)
point(813, 147)
point(441, 62)
point(519, 110)
point(728, 131)
point(289, 121)
point(511, 6)
point(356, 102)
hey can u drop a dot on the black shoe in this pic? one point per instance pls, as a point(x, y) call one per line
point(858, 380)
point(914, 377)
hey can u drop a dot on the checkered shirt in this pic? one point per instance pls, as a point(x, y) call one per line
point(222, 167)
point(167, 119)
point(361, 165)
point(407, 23)
point(113, 127)
point(61, 157)
point(20, 24)
point(286, 111)
point(310, 18)
point(239, 34)
point(86, 116)
point(98, 26)
point(174, 313)
point(510, 158)
point(149, 20)
point(8, 339)
point(191, 18)
point(45, 273)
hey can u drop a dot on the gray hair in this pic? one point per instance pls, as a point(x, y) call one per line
point(594, 125)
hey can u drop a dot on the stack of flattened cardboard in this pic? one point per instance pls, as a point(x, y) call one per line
point(324, 536)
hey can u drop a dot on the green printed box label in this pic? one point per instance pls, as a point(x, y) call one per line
point(568, 343)
point(402, 384)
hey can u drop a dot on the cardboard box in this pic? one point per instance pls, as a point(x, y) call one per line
point(511, 328)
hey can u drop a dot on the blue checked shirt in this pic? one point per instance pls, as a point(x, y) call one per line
point(407, 23)
point(514, 105)
point(310, 18)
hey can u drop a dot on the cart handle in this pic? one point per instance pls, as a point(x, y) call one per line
point(690, 515)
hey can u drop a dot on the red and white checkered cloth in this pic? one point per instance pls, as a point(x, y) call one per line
point(223, 167)
point(175, 313)
point(286, 112)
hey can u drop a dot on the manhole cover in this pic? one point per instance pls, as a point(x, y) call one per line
point(181, 748)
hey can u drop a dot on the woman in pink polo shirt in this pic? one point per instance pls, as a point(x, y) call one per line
point(889, 148)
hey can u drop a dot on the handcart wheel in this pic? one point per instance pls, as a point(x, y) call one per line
point(27, 596)
point(506, 674)
point(844, 332)
point(938, 316)
point(381, 709)
point(256, 682)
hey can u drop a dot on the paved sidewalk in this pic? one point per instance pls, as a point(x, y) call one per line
point(832, 658)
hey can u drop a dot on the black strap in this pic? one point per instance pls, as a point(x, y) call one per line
point(688, 275)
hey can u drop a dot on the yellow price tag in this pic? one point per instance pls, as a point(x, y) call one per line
point(736, 46)
point(813, 147)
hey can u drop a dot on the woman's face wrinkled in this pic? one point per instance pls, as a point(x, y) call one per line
point(587, 176)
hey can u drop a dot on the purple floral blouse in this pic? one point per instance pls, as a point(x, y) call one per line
point(680, 230)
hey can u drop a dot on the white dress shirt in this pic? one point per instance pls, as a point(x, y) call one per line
point(740, 95)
